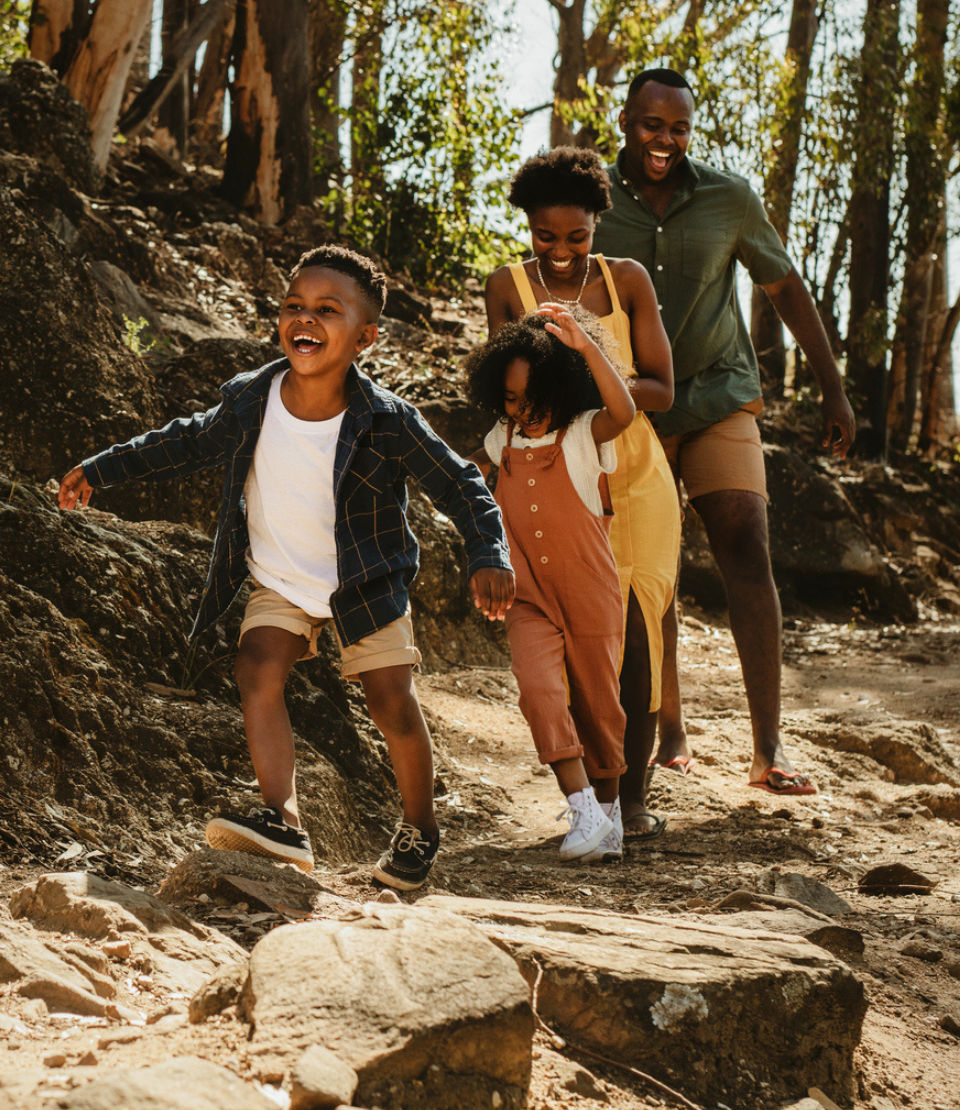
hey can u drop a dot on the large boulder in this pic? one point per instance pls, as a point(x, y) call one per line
point(760, 1017)
point(912, 750)
point(424, 1008)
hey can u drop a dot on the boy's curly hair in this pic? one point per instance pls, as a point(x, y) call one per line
point(370, 279)
point(559, 384)
point(565, 175)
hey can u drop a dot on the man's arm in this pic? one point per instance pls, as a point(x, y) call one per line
point(795, 307)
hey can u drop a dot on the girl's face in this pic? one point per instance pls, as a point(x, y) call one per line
point(532, 425)
point(561, 236)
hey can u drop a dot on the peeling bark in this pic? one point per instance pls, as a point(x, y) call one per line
point(269, 149)
point(98, 72)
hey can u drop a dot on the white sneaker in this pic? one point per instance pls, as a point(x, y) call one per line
point(588, 824)
point(611, 847)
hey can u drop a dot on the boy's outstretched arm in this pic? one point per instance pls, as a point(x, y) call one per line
point(493, 590)
point(74, 488)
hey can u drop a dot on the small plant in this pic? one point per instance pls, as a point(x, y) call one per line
point(132, 329)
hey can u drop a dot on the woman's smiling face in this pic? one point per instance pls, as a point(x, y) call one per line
point(561, 236)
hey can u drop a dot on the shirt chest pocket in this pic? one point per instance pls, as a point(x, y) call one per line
point(706, 254)
point(372, 470)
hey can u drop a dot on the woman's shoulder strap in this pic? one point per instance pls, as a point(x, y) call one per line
point(524, 288)
point(608, 278)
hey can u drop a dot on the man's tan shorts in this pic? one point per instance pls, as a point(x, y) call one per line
point(725, 455)
point(388, 647)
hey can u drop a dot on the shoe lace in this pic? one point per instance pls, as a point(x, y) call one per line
point(267, 814)
point(573, 814)
point(408, 838)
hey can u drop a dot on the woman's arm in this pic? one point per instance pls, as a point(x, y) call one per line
point(652, 389)
point(618, 408)
point(502, 300)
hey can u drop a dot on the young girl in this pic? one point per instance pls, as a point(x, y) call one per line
point(561, 402)
point(563, 194)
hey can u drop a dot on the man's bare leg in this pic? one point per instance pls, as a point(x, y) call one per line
point(736, 524)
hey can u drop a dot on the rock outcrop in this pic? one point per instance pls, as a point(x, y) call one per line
point(760, 1016)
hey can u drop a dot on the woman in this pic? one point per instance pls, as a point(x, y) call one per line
point(563, 194)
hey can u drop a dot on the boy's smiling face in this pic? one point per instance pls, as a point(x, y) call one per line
point(324, 322)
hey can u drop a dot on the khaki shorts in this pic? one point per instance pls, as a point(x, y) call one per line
point(725, 455)
point(387, 647)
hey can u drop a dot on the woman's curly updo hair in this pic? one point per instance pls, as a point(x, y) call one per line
point(559, 384)
point(565, 175)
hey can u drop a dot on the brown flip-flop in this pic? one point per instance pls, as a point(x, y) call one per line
point(659, 824)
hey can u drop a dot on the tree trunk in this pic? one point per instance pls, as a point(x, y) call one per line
point(766, 327)
point(926, 175)
point(869, 220)
point(938, 413)
point(97, 74)
point(57, 28)
point(365, 162)
point(206, 125)
point(269, 153)
point(139, 75)
point(687, 52)
point(177, 62)
point(571, 66)
point(174, 111)
point(328, 28)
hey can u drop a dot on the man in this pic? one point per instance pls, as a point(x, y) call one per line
point(689, 224)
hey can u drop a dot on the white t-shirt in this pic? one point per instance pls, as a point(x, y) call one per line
point(584, 462)
point(290, 507)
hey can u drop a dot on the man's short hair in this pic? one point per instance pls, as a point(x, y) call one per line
point(664, 76)
point(367, 275)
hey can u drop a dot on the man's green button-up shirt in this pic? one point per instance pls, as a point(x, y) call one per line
point(714, 221)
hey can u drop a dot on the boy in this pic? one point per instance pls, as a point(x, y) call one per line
point(314, 508)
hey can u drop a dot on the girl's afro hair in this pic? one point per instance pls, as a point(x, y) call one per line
point(559, 383)
point(565, 175)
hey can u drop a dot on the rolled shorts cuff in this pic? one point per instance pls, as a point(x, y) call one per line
point(727, 455)
point(390, 646)
point(268, 609)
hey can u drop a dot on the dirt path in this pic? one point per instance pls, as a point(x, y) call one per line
point(500, 841)
point(722, 836)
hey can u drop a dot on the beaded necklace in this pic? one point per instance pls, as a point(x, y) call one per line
point(563, 300)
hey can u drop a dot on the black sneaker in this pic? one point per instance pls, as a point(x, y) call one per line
point(406, 864)
point(263, 832)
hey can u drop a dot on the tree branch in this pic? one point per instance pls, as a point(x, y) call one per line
point(182, 52)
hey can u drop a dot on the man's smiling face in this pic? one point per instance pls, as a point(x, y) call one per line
point(657, 122)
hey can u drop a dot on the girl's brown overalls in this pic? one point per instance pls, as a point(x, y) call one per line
point(568, 613)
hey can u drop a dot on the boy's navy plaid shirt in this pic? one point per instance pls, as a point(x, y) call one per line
point(383, 439)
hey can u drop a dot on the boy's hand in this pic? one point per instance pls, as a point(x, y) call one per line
point(493, 590)
point(74, 488)
point(564, 326)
